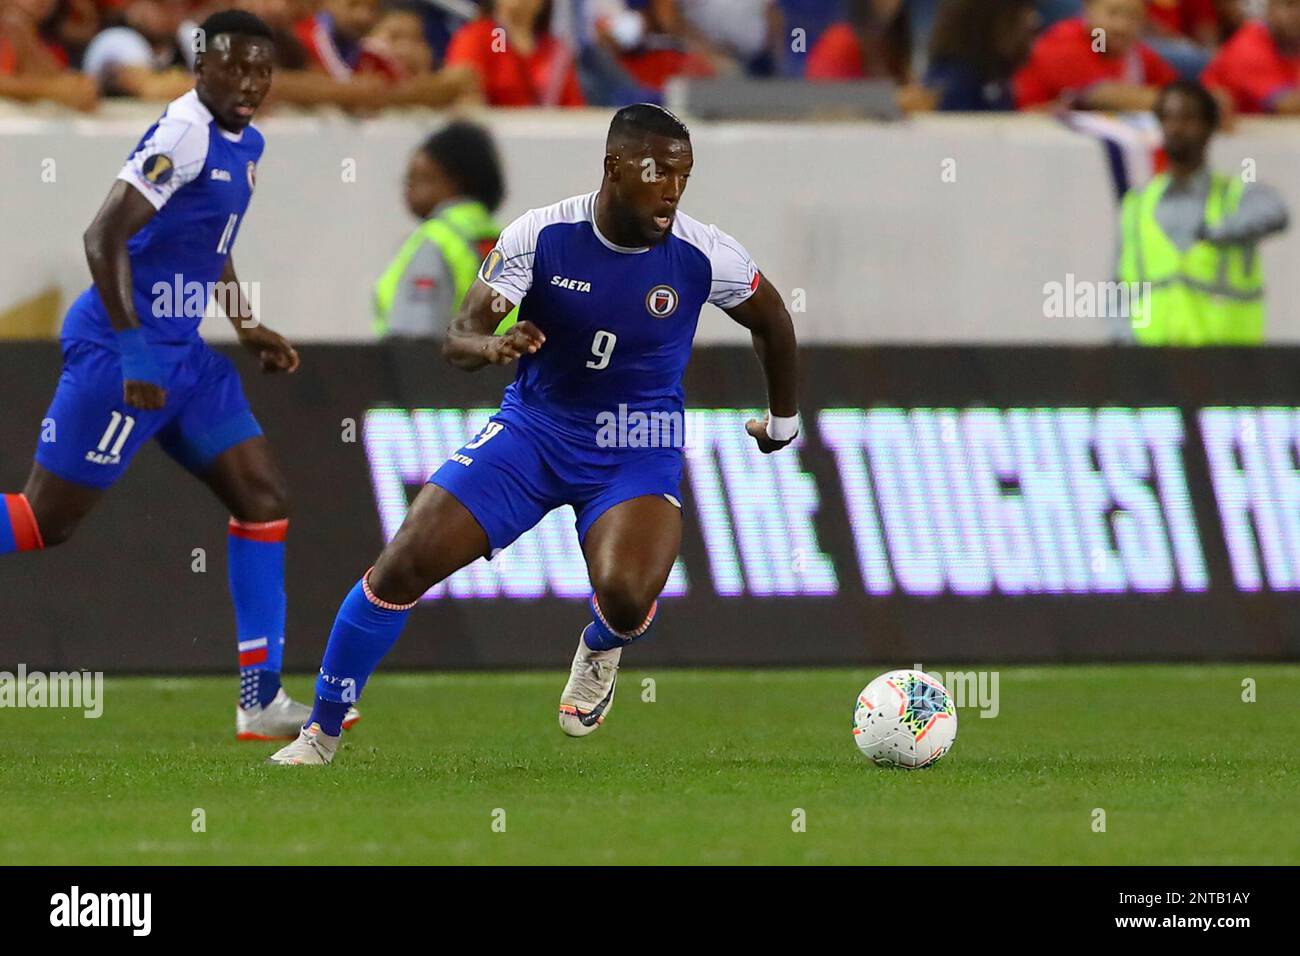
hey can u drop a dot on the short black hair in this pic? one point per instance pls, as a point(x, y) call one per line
point(1204, 98)
point(642, 118)
point(467, 154)
point(236, 22)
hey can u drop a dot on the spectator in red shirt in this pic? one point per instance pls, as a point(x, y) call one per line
point(333, 36)
point(1260, 65)
point(1094, 62)
point(875, 40)
point(396, 47)
point(361, 59)
point(640, 45)
point(518, 61)
point(1194, 19)
point(26, 44)
point(71, 27)
point(31, 66)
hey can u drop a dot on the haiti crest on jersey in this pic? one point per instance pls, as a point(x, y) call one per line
point(661, 301)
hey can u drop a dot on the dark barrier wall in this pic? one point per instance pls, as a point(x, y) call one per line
point(949, 504)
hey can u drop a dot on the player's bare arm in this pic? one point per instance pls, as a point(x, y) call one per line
point(470, 343)
point(272, 349)
point(769, 324)
point(124, 213)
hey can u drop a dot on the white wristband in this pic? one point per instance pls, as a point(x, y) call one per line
point(782, 429)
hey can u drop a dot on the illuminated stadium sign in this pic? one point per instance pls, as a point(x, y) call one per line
point(949, 505)
point(974, 501)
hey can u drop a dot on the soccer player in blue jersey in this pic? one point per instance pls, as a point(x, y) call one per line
point(609, 287)
point(135, 368)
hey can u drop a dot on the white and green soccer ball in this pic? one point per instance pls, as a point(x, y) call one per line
point(905, 719)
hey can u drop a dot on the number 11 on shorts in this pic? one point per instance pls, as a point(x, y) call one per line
point(115, 419)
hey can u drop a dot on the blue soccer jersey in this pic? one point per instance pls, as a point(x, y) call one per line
point(618, 321)
point(618, 324)
point(200, 178)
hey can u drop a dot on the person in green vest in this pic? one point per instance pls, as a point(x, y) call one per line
point(1189, 238)
point(453, 185)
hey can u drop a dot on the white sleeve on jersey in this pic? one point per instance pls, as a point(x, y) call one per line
point(171, 157)
point(509, 266)
point(735, 277)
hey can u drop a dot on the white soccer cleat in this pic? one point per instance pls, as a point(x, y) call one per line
point(281, 719)
point(589, 693)
point(312, 748)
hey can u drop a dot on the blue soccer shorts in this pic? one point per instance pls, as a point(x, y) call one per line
point(90, 434)
point(512, 473)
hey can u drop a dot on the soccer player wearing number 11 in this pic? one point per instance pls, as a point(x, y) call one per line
point(135, 368)
point(609, 288)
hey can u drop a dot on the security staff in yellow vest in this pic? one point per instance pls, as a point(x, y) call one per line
point(1189, 239)
point(453, 184)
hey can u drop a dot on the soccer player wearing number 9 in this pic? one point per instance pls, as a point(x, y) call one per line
point(609, 287)
point(135, 368)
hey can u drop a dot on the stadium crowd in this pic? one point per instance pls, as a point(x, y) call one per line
point(962, 55)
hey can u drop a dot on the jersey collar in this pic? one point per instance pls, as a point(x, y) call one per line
point(193, 102)
point(625, 250)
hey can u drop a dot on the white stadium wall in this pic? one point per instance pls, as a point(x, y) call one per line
point(856, 215)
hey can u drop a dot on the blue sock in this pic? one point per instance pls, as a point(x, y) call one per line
point(18, 530)
point(257, 588)
point(599, 636)
point(363, 632)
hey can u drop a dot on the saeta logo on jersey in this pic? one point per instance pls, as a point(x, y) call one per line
point(661, 301)
point(577, 285)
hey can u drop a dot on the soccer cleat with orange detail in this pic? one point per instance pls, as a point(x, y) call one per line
point(281, 719)
point(589, 694)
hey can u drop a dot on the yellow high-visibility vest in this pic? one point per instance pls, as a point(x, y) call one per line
point(1208, 295)
point(461, 232)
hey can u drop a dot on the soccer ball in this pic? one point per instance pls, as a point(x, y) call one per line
point(905, 719)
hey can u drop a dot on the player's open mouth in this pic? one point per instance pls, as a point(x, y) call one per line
point(245, 109)
point(663, 222)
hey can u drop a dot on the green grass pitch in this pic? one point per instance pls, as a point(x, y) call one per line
point(711, 771)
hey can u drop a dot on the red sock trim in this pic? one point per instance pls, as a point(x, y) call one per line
point(629, 635)
point(27, 533)
point(268, 532)
point(377, 602)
